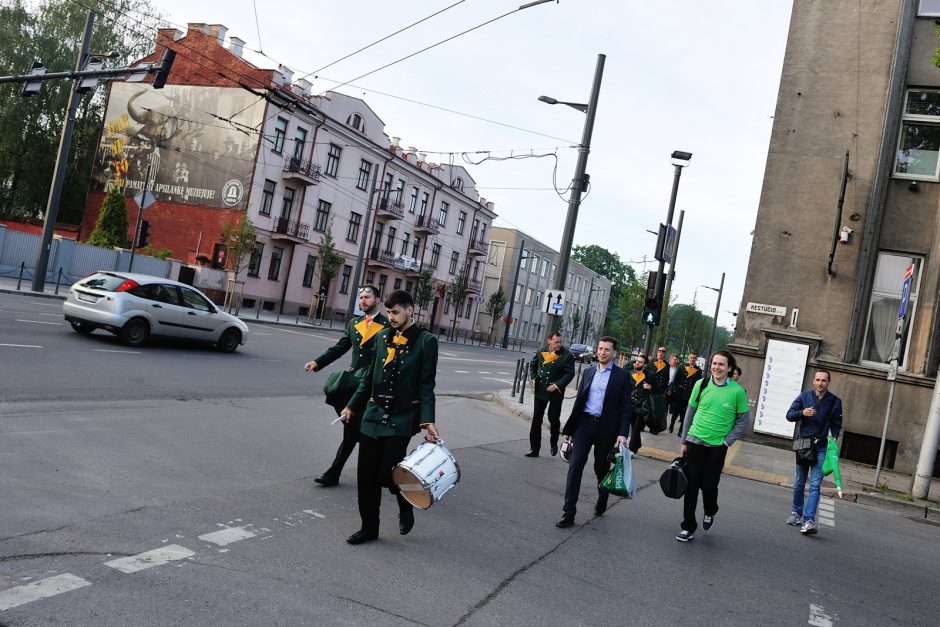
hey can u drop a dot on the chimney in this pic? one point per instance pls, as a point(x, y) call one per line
point(287, 73)
point(305, 86)
point(421, 157)
point(396, 142)
point(166, 36)
point(218, 31)
point(197, 27)
point(236, 46)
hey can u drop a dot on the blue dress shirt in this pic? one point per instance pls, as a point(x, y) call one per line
point(595, 399)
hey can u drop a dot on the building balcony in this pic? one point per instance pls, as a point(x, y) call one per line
point(381, 257)
point(477, 248)
point(301, 170)
point(389, 209)
point(408, 265)
point(425, 224)
point(474, 286)
point(291, 230)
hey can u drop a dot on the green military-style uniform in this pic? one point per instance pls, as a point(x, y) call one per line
point(682, 386)
point(657, 421)
point(545, 368)
point(395, 398)
point(643, 400)
point(360, 338)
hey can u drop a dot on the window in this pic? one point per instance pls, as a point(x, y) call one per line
point(387, 185)
point(280, 132)
point(518, 293)
point(194, 300)
point(322, 219)
point(476, 271)
point(409, 287)
point(397, 284)
point(469, 307)
point(300, 139)
point(461, 220)
point(404, 244)
point(309, 270)
point(399, 191)
point(344, 280)
point(254, 262)
point(473, 231)
point(919, 142)
point(267, 197)
point(383, 279)
point(454, 260)
point(416, 247)
point(287, 204)
point(544, 268)
point(275, 268)
point(535, 264)
point(524, 259)
point(332, 160)
point(442, 217)
point(377, 237)
point(482, 237)
point(435, 255)
point(554, 268)
point(370, 277)
point(883, 308)
point(424, 204)
point(447, 304)
point(352, 233)
point(929, 8)
point(355, 121)
point(528, 296)
point(390, 240)
point(365, 168)
point(457, 184)
point(413, 203)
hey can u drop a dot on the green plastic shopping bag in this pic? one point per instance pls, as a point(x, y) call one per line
point(620, 480)
point(831, 463)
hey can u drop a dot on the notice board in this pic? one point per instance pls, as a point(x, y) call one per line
point(781, 383)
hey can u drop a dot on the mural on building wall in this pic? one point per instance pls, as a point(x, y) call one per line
point(197, 143)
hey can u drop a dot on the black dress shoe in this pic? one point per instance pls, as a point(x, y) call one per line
point(406, 522)
point(600, 508)
point(362, 536)
point(554, 450)
point(327, 480)
point(566, 520)
point(532, 454)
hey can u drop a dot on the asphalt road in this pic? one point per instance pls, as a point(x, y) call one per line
point(186, 508)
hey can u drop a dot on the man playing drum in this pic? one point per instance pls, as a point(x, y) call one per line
point(396, 400)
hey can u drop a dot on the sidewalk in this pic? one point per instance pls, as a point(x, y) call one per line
point(771, 465)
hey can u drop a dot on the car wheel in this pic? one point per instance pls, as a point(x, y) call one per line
point(229, 341)
point(81, 327)
point(135, 332)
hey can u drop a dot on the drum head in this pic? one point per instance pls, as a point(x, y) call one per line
point(412, 488)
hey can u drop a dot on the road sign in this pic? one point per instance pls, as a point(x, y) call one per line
point(480, 299)
point(144, 199)
point(554, 303)
point(905, 292)
point(669, 248)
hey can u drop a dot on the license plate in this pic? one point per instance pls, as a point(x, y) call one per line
point(88, 298)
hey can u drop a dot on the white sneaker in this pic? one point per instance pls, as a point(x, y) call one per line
point(809, 528)
point(795, 519)
point(684, 536)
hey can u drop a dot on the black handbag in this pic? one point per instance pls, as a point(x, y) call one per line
point(804, 448)
point(673, 481)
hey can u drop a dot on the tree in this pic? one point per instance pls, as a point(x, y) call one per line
point(111, 228)
point(424, 290)
point(330, 260)
point(30, 127)
point(622, 278)
point(574, 322)
point(495, 305)
point(239, 239)
point(458, 289)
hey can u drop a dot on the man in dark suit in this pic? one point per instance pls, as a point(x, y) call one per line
point(359, 337)
point(600, 418)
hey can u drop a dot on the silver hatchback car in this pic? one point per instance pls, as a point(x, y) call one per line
point(137, 306)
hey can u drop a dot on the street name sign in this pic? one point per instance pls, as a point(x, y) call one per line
point(771, 310)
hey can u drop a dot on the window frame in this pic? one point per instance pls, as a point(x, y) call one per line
point(287, 202)
point(462, 222)
point(322, 217)
point(365, 169)
point(921, 12)
point(915, 119)
point(442, 214)
point(906, 338)
point(267, 197)
point(333, 155)
point(454, 262)
point(280, 135)
point(274, 265)
point(255, 260)
point(309, 271)
point(355, 223)
point(300, 141)
point(344, 279)
point(435, 255)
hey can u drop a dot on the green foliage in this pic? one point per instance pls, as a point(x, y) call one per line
point(111, 228)
point(161, 253)
point(603, 262)
point(495, 305)
point(330, 260)
point(935, 58)
point(623, 283)
point(424, 289)
point(458, 290)
point(239, 240)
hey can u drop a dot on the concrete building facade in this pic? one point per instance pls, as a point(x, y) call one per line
point(858, 110)
point(525, 268)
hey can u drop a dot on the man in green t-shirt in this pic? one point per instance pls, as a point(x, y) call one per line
point(719, 406)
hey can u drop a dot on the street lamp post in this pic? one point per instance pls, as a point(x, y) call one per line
point(512, 294)
point(711, 342)
point(680, 160)
point(580, 180)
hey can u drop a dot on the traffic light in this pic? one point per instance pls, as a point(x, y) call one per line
point(159, 80)
point(32, 88)
point(144, 235)
point(653, 304)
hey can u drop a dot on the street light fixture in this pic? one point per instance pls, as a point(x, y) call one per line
point(580, 181)
point(711, 342)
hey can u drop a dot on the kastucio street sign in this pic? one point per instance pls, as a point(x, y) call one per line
point(770, 310)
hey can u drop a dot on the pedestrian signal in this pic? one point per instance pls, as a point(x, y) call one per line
point(653, 304)
point(144, 236)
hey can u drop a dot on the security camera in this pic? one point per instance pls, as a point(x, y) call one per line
point(844, 234)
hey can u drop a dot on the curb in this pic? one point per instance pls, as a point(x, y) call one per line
point(32, 294)
point(911, 509)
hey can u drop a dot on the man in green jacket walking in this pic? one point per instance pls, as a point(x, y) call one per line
point(359, 337)
point(551, 370)
point(395, 400)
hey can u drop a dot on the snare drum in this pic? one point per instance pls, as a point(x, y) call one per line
point(426, 474)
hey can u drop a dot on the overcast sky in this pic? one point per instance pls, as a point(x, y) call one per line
point(683, 75)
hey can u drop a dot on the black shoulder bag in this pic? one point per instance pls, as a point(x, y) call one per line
point(804, 448)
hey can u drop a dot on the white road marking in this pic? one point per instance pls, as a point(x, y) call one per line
point(276, 361)
point(506, 381)
point(483, 371)
point(107, 350)
point(21, 345)
point(313, 513)
point(448, 354)
point(43, 313)
point(818, 616)
point(504, 373)
point(58, 324)
point(42, 589)
point(228, 536)
point(259, 333)
point(482, 361)
point(201, 356)
point(826, 513)
point(149, 559)
point(319, 337)
point(461, 371)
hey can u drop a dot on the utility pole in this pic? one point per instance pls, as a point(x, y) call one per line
point(578, 184)
point(672, 274)
point(512, 293)
point(58, 178)
point(587, 312)
point(721, 287)
point(360, 260)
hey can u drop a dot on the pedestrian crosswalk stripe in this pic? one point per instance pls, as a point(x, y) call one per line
point(149, 559)
point(42, 589)
point(228, 535)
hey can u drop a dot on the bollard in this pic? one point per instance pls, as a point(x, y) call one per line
point(515, 379)
point(258, 310)
point(277, 318)
point(20, 280)
point(525, 382)
point(577, 377)
point(58, 279)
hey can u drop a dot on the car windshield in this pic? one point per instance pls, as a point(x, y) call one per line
point(105, 282)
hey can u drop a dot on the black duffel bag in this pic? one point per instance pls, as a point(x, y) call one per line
point(673, 481)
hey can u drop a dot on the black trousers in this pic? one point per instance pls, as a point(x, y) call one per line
point(703, 465)
point(589, 434)
point(377, 459)
point(554, 422)
point(677, 408)
point(350, 438)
